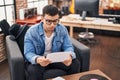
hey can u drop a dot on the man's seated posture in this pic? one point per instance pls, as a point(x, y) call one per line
point(48, 37)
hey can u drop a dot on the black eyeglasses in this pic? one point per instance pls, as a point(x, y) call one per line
point(49, 22)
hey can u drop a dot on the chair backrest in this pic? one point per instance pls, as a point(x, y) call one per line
point(19, 32)
point(4, 25)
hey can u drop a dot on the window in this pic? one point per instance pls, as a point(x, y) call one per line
point(110, 4)
point(37, 3)
point(1, 2)
point(7, 10)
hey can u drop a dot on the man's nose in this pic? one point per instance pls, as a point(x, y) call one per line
point(52, 24)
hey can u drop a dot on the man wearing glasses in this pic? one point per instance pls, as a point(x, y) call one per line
point(48, 37)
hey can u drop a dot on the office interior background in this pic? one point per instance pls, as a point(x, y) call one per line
point(9, 10)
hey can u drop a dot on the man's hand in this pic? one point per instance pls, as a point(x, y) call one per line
point(42, 61)
point(68, 61)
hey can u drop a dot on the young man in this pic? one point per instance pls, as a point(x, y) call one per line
point(47, 37)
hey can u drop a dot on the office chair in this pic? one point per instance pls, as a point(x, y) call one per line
point(90, 9)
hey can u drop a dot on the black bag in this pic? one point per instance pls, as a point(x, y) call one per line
point(4, 25)
point(18, 33)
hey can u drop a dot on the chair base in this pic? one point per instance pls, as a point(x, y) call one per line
point(88, 41)
point(86, 35)
point(87, 38)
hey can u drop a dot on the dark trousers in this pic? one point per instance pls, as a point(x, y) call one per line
point(36, 71)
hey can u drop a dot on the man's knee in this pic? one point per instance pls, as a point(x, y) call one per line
point(76, 62)
point(33, 69)
point(75, 65)
point(35, 72)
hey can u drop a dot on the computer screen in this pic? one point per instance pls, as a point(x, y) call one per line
point(91, 7)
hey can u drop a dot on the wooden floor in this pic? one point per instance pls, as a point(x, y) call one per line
point(105, 55)
point(4, 71)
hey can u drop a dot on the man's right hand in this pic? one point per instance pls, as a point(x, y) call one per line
point(42, 61)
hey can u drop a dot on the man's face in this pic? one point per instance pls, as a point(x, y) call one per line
point(50, 22)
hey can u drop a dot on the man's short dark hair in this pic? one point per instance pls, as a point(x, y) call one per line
point(50, 10)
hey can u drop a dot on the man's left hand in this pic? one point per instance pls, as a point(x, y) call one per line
point(68, 61)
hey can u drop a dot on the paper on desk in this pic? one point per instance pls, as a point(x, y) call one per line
point(74, 16)
point(58, 78)
point(101, 21)
point(58, 56)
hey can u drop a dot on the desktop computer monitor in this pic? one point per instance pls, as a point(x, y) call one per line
point(88, 8)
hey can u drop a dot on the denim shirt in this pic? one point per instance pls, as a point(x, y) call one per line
point(34, 42)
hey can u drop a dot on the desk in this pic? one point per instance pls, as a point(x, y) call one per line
point(93, 23)
point(29, 21)
point(78, 75)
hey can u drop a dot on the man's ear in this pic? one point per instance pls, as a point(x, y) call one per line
point(60, 14)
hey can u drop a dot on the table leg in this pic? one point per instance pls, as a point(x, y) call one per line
point(71, 31)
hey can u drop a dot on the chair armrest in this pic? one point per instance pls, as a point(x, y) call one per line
point(15, 60)
point(82, 54)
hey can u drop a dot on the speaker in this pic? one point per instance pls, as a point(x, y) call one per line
point(27, 13)
point(65, 10)
point(84, 15)
point(116, 20)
